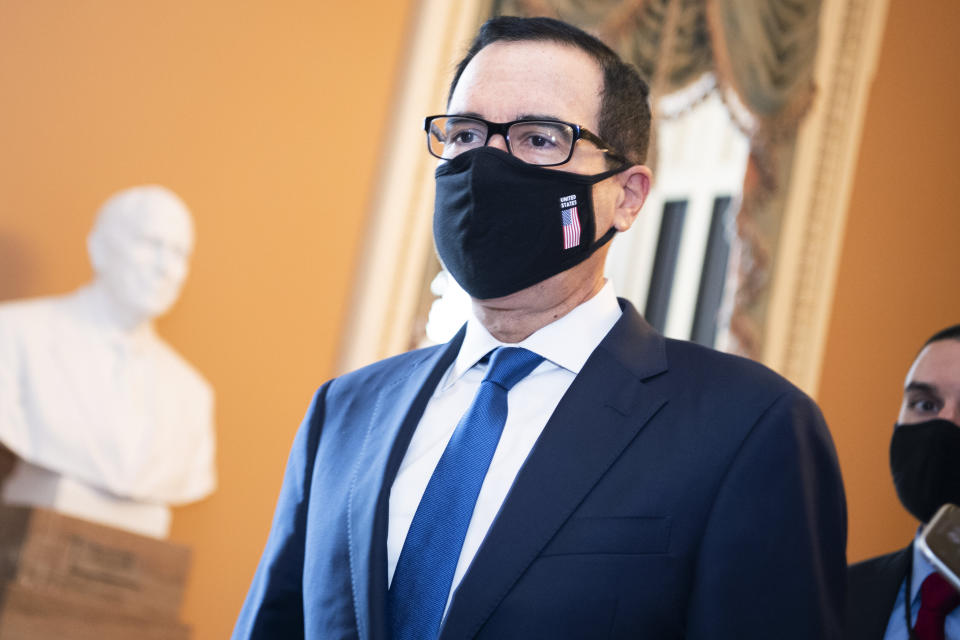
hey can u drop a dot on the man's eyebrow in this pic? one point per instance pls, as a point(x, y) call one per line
point(467, 114)
point(922, 386)
point(537, 116)
point(521, 117)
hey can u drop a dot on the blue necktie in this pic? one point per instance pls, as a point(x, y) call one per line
point(431, 550)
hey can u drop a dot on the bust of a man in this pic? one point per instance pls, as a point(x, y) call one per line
point(107, 421)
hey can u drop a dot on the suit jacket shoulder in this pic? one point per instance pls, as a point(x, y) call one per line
point(386, 371)
point(723, 374)
point(709, 376)
point(872, 587)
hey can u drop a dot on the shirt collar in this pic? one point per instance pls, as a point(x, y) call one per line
point(566, 342)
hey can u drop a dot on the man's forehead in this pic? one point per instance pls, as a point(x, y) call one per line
point(938, 364)
point(516, 80)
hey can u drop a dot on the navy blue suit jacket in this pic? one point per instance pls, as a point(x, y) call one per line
point(676, 492)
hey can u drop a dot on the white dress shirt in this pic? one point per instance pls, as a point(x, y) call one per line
point(565, 345)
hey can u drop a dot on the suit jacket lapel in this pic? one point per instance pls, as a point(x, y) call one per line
point(601, 413)
point(397, 410)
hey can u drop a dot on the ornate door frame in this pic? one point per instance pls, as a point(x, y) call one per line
point(811, 238)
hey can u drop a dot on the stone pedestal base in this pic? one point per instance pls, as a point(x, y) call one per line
point(67, 579)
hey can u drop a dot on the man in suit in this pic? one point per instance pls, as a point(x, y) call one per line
point(925, 461)
point(633, 486)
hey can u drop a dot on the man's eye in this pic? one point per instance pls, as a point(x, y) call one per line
point(540, 141)
point(923, 404)
point(534, 140)
point(464, 137)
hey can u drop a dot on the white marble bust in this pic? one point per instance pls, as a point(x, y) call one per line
point(108, 422)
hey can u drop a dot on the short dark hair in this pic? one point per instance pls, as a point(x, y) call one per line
point(624, 111)
point(950, 333)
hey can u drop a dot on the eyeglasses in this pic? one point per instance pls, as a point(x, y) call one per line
point(541, 142)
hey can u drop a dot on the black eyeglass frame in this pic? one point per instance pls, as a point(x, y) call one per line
point(503, 128)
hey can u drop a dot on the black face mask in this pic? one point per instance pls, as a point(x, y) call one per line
point(925, 461)
point(502, 225)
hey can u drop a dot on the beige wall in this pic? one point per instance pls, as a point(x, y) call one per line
point(899, 277)
point(266, 118)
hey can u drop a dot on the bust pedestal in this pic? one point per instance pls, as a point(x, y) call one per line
point(67, 579)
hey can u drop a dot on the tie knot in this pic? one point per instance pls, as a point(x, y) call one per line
point(510, 365)
point(938, 595)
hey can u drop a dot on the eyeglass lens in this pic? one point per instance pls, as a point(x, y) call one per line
point(534, 142)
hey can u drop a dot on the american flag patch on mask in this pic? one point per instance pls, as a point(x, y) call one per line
point(570, 220)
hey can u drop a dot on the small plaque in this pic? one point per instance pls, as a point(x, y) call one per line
point(54, 569)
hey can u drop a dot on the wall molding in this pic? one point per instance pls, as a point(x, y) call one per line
point(811, 239)
point(399, 245)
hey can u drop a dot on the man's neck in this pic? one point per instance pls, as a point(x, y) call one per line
point(514, 318)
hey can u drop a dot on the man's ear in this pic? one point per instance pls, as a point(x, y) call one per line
point(634, 187)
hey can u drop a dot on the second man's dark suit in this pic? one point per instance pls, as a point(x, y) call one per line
point(872, 587)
